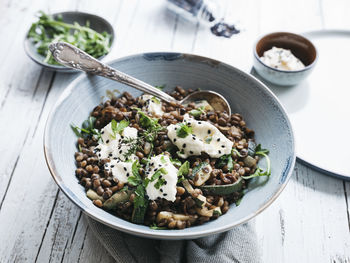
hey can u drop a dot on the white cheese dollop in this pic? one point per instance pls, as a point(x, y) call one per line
point(281, 59)
point(113, 147)
point(152, 105)
point(205, 137)
point(168, 189)
point(121, 170)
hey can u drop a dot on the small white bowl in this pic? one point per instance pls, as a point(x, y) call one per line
point(300, 46)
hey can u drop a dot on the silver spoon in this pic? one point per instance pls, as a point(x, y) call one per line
point(73, 57)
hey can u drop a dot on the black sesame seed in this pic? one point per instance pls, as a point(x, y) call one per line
point(199, 122)
point(222, 146)
point(107, 141)
point(115, 158)
point(110, 155)
point(112, 166)
point(99, 155)
point(124, 169)
point(208, 131)
point(161, 190)
point(165, 194)
point(127, 174)
point(218, 139)
point(155, 169)
point(120, 151)
point(194, 138)
point(165, 182)
point(174, 139)
point(151, 164)
point(219, 151)
point(122, 137)
point(160, 177)
point(184, 145)
point(191, 152)
point(175, 129)
point(102, 132)
point(160, 165)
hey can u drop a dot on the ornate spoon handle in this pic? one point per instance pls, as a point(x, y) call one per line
point(73, 57)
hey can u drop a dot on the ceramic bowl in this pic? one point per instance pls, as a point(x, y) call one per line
point(300, 47)
point(246, 95)
point(97, 23)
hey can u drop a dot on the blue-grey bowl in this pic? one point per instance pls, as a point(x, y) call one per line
point(97, 23)
point(246, 95)
point(300, 46)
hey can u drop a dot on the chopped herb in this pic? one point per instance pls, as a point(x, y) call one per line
point(183, 170)
point(162, 159)
point(225, 160)
point(183, 131)
point(159, 183)
point(208, 139)
point(197, 112)
point(155, 227)
point(175, 162)
point(161, 87)
point(235, 151)
point(135, 179)
point(49, 30)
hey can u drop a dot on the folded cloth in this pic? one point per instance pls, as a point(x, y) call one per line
point(236, 245)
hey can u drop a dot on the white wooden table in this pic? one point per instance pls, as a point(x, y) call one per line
point(308, 223)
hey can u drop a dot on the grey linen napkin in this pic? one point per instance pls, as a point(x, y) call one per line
point(237, 245)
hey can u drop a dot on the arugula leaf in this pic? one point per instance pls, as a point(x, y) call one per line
point(48, 30)
point(183, 170)
point(260, 151)
point(197, 112)
point(146, 121)
point(135, 179)
point(183, 131)
point(87, 129)
point(259, 171)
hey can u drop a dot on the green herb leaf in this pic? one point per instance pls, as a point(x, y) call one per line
point(117, 128)
point(183, 131)
point(159, 183)
point(183, 170)
point(49, 30)
point(161, 87)
point(197, 112)
point(260, 151)
point(259, 171)
point(225, 160)
point(162, 159)
point(87, 129)
point(175, 162)
point(155, 227)
point(76, 130)
point(135, 179)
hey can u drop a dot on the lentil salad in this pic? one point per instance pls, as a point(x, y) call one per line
point(167, 166)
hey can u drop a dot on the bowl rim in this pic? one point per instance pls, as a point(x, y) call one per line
point(283, 70)
point(165, 234)
point(60, 68)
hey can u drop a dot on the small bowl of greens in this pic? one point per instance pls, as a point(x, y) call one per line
point(89, 32)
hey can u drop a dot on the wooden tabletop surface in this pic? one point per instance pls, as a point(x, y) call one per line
point(309, 222)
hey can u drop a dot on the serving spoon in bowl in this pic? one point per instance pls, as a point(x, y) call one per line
point(73, 57)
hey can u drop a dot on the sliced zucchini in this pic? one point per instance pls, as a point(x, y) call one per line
point(225, 189)
point(201, 176)
point(217, 211)
point(251, 148)
point(166, 216)
point(117, 198)
point(200, 199)
point(91, 194)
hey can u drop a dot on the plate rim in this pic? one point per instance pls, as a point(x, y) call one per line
point(300, 157)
